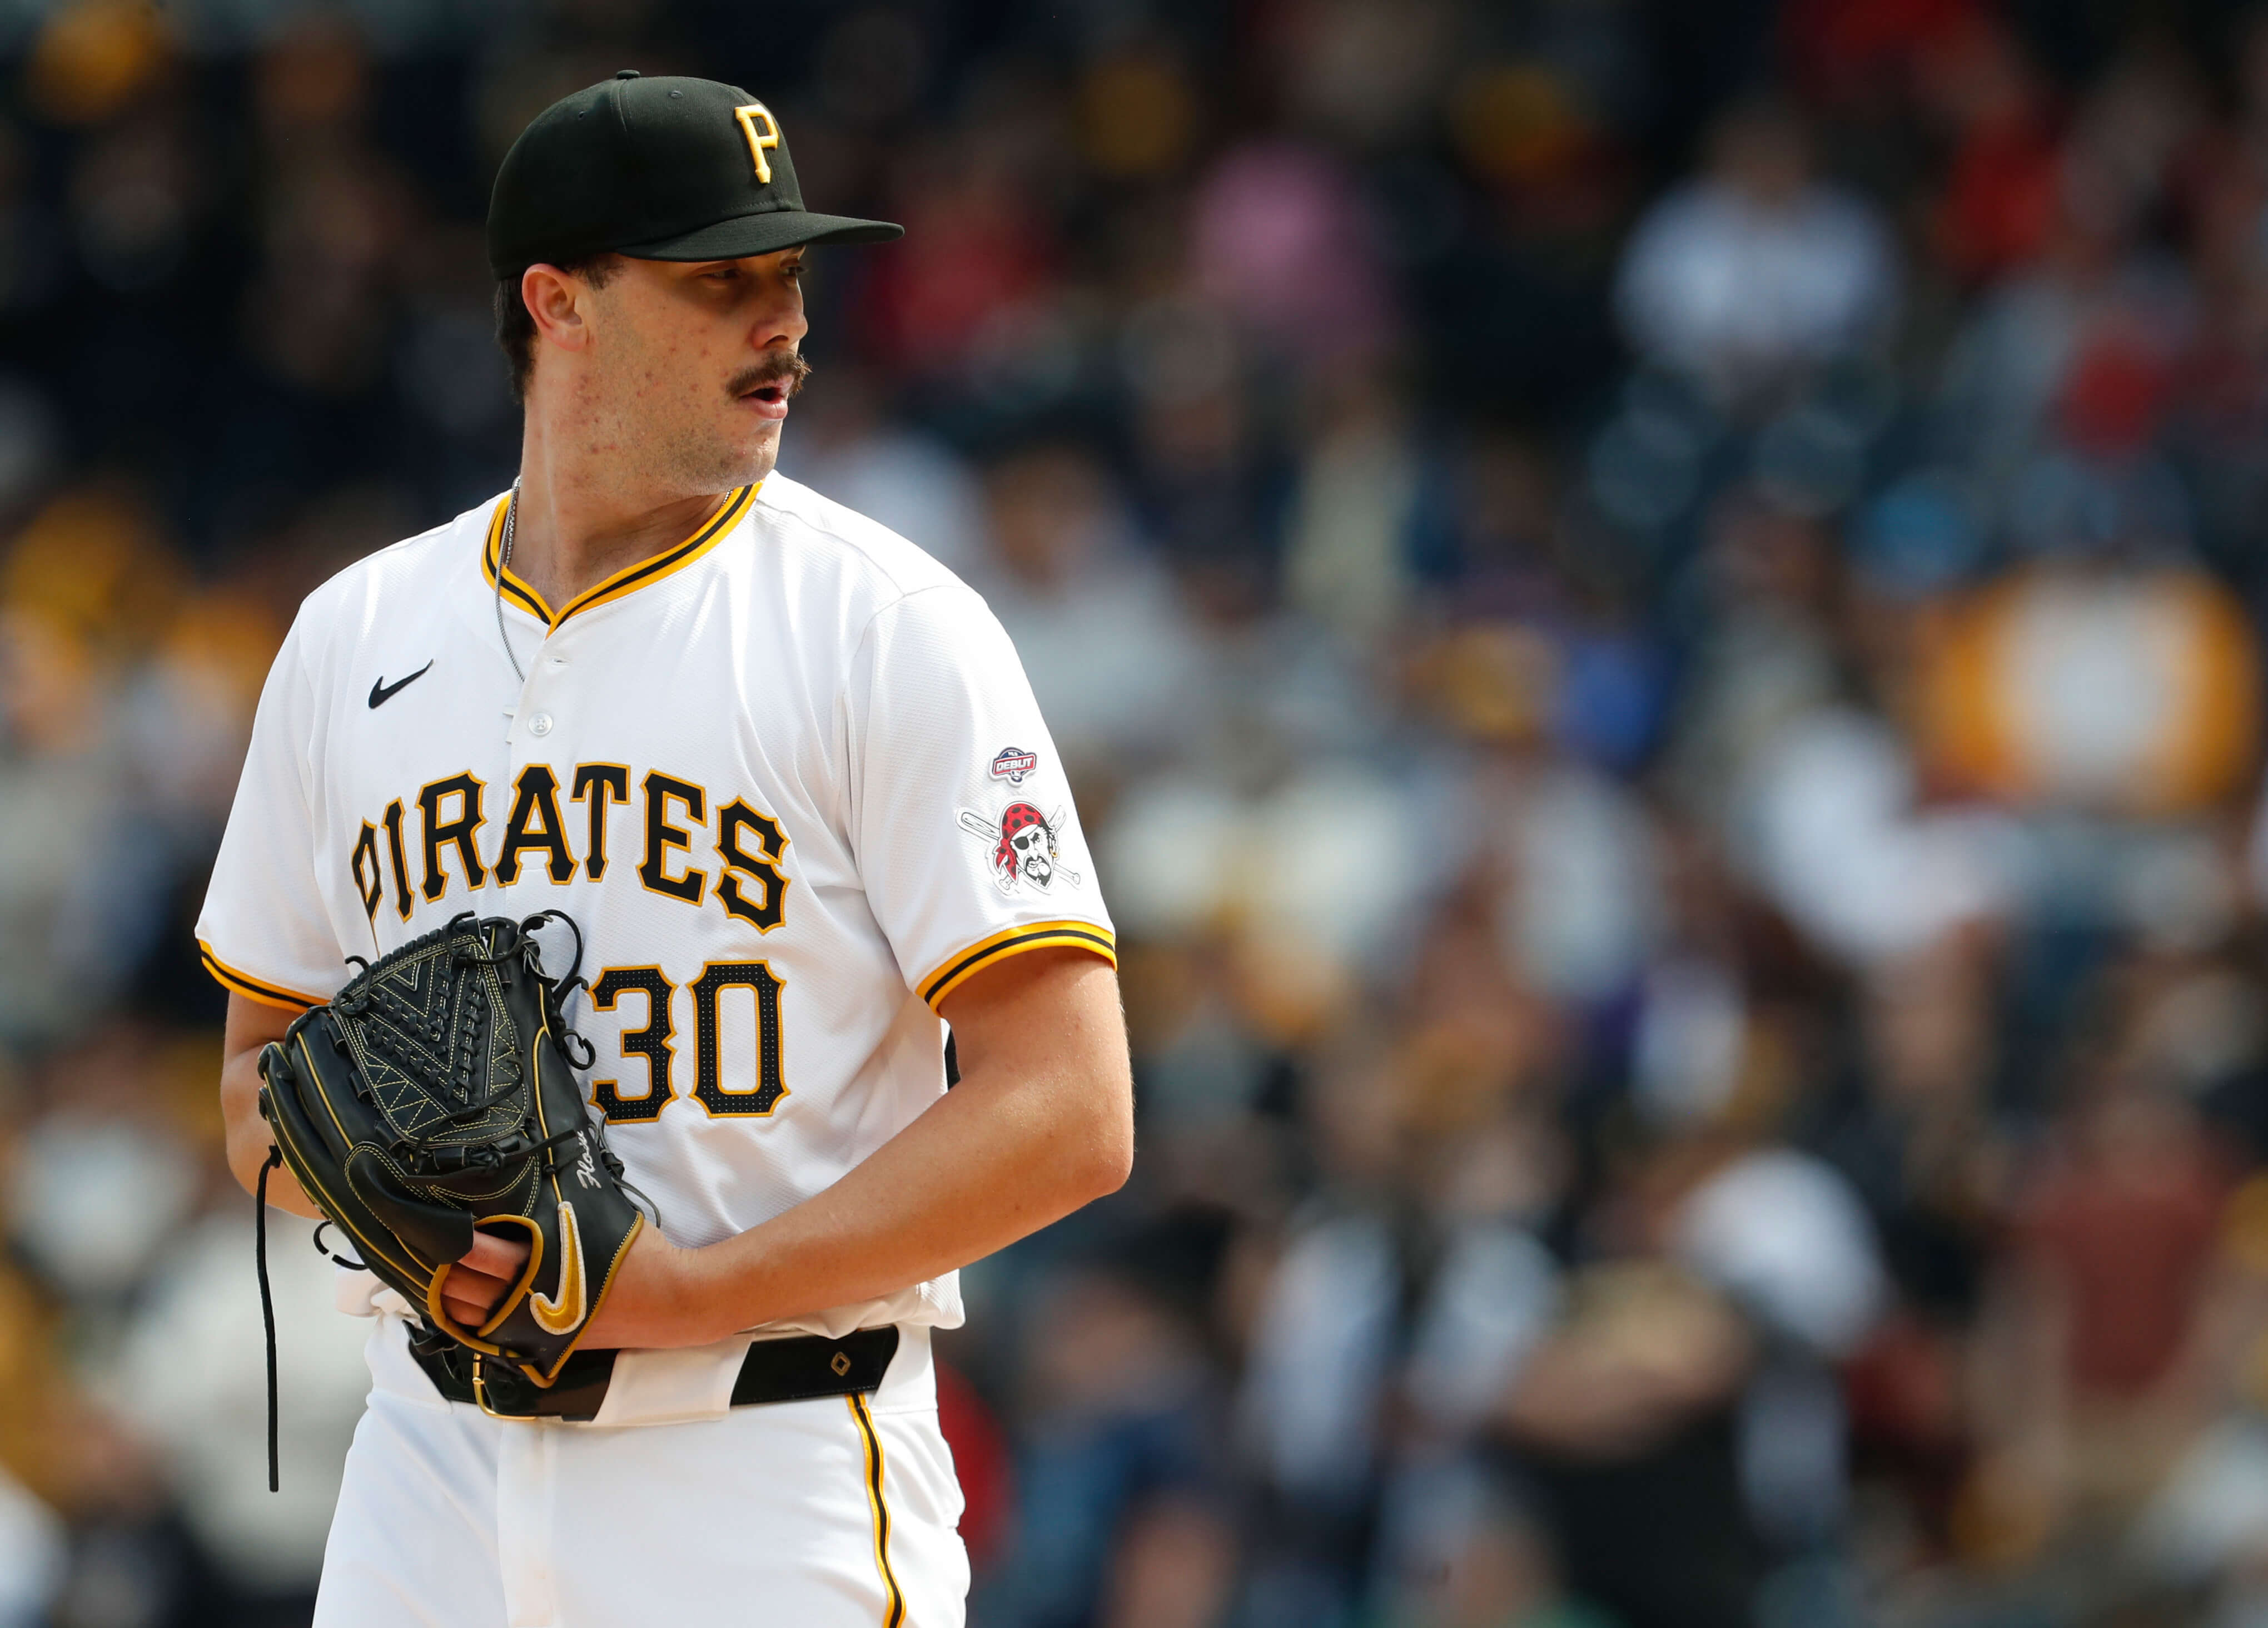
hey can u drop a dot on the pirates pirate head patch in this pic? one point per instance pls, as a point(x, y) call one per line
point(1024, 847)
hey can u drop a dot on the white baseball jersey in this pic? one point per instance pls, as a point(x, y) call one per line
point(787, 777)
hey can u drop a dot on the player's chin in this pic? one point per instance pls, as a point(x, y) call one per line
point(749, 452)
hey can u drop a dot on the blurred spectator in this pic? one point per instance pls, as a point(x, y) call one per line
point(2102, 1309)
point(2137, 690)
point(1760, 269)
point(1280, 241)
point(188, 1378)
point(911, 483)
point(1124, 1519)
point(1470, 1555)
point(1100, 628)
point(1353, 536)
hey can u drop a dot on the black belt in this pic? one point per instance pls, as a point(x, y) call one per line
point(789, 1370)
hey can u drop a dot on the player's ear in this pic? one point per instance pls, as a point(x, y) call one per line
point(556, 301)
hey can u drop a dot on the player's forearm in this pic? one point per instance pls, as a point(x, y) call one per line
point(1031, 1133)
point(993, 1161)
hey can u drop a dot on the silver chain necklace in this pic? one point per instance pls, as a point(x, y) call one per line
point(503, 564)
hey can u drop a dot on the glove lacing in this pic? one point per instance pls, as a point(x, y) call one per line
point(267, 1301)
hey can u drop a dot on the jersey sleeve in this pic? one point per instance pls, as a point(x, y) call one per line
point(966, 840)
point(264, 932)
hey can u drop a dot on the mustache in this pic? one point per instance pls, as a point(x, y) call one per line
point(784, 368)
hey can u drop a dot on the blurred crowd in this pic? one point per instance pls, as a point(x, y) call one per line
point(1655, 610)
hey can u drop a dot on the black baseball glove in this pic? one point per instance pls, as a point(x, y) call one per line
point(434, 1096)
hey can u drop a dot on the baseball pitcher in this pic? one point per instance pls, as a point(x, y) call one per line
point(607, 866)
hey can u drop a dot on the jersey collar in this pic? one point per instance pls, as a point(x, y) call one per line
point(630, 579)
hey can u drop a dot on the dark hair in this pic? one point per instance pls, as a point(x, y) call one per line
point(515, 328)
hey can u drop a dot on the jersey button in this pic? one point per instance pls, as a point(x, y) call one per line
point(540, 725)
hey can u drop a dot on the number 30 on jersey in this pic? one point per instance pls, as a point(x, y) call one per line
point(655, 1042)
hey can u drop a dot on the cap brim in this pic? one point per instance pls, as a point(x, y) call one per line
point(766, 233)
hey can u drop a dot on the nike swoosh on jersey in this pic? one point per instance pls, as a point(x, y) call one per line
point(381, 692)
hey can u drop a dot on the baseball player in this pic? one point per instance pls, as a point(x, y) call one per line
point(753, 744)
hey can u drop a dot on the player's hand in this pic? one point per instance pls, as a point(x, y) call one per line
point(648, 1306)
point(477, 1282)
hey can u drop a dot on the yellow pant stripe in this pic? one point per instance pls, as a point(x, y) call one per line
point(894, 1614)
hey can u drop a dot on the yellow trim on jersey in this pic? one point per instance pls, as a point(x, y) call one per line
point(894, 1613)
point(630, 579)
point(250, 988)
point(518, 592)
point(956, 969)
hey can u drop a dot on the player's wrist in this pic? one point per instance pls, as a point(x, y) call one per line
point(657, 1301)
point(715, 1292)
point(674, 1301)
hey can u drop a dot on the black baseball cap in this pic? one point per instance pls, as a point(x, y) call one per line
point(657, 169)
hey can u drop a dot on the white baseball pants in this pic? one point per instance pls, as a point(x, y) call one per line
point(839, 1513)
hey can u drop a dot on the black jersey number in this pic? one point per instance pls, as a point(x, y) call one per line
point(652, 1042)
point(722, 1087)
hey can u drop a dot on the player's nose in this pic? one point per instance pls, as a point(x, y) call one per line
point(782, 320)
point(787, 328)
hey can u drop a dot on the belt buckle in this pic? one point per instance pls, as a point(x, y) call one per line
point(481, 1392)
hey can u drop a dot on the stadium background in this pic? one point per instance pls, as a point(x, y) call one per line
point(1655, 610)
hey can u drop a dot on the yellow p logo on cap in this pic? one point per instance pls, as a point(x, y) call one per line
point(760, 136)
